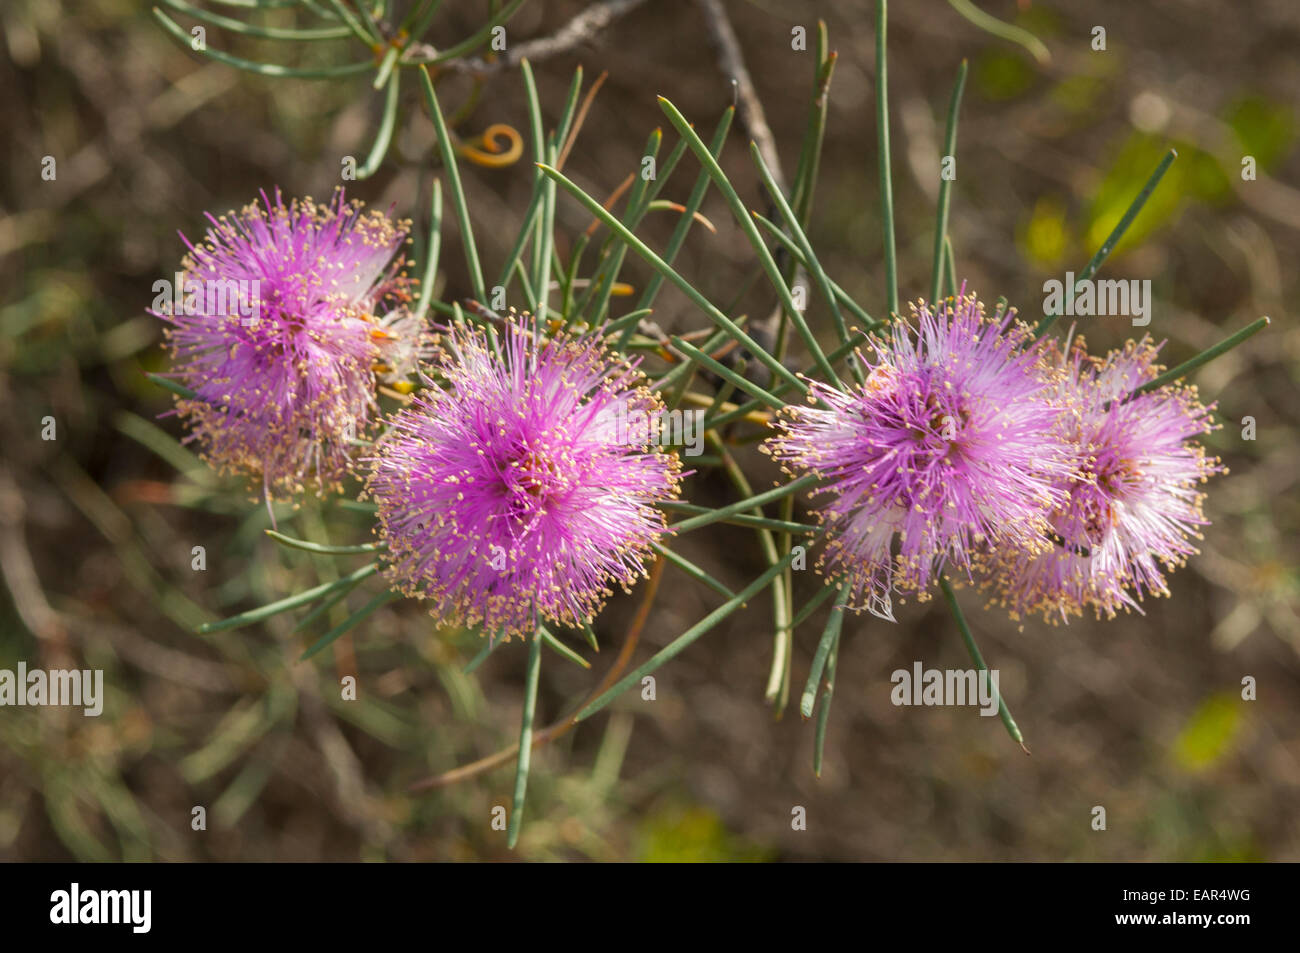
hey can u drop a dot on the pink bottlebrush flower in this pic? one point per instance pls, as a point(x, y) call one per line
point(949, 446)
point(512, 491)
point(286, 316)
point(1132, 504)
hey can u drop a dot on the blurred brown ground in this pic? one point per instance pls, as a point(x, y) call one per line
point(1141, 715)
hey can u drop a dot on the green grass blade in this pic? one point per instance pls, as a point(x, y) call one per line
point(320, 548)
point(457, 190)
point(1209, 354)
point(1005, 31)
point(945, 184)
point(348, 624)
point(432, 251)
point(746, 222)
point(180, 390)
point(723, 512)
point(692, 206)
point(265, 32)
point(290, 602)
point(726, 373)
point(830, 635)
point(703, 303)
point(692, 570)
point(261, 69)
point(385, 135)
point(883, 160)
point(810, 258)
point(1116, 234)
point(683, 641)
point(525, 757)
point(1003, 711)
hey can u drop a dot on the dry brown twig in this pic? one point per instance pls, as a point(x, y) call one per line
point(749, 110)
point(583, 28)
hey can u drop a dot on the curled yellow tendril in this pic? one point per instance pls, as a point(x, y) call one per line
point(490, 155)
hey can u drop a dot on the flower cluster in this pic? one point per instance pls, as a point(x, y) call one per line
point(1132, 503)
point(506, 492)
point(509, 492)
point(972, 444)
point(290, 316)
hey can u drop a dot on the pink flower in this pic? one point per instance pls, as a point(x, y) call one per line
point(951, 445)
point(1133, 505)
point(511, 491)
point(289, 313)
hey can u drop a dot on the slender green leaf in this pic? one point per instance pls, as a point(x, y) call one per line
point(249, 29)
point(945, 183)
point(320, 548)
point(692, 206)
point(692, 570)
point(809, 256)
point(883, 159)
point(562, 649)
point(349, 623)
point(722, 513)
point(385, 135)
point(1116, 234)
point(830, 635)
point(683, 641)
point(479, 37)
point(709, 309)
point(1003, 711)
point(747, 225)
point(175, 30)
point(457, 190)
point(432, 251)
point(699, 357)
point(812, 605)
point(810, 152)
point(290, 602)
point(525, 741)
point(824, 712)
point(1209, 354)
point(746, 519)
point(1005, 31)
point(773, 229)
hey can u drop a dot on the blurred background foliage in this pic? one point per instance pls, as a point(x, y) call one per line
point(1142, 715)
